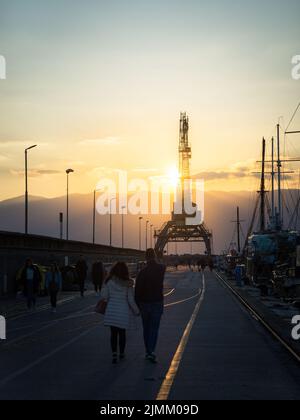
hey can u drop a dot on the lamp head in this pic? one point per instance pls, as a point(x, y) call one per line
point(31, 147)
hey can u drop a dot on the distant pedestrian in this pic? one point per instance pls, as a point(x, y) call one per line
point(31, 280)
point(121, 308)
point(53, 284)
point(211, 265)
point(81, 271)
point(98, 274)
point(203, 265)
point(150, 299)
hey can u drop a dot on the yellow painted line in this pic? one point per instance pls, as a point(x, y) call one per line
point(168, 382)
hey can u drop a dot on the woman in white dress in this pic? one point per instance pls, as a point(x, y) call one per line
point(121, 308)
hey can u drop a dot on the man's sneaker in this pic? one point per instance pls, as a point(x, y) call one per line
point(122, 356)
point(115, 359)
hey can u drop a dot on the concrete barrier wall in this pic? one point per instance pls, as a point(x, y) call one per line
point(15, 248)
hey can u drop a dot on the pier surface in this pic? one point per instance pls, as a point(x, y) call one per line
point(210, 347)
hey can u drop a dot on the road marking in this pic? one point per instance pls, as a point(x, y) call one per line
point(168, 382)
point(43, 358)
point(47, 306)
point(50, 324)
point(183, 300)
point(53, 323)
point(169, 293)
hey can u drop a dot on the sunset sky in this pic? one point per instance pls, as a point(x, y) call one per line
point(99, 86)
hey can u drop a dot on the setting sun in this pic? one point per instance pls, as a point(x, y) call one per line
point(173, 176)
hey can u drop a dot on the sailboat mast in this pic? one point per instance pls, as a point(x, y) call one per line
point(273, 184)
point(238, 221)
point(262, 189)
point(279, 180)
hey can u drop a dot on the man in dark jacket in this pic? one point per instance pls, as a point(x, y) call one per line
point(81, 271)
point(150, 299)
point(98, 276)
point(30, 280)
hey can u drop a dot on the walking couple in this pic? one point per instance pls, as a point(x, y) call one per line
point(124, 303)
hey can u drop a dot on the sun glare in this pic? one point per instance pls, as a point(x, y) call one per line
point(173, 176)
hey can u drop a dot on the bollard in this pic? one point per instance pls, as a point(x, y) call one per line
point(5, 284)
point(239, 274)
point(2, 328)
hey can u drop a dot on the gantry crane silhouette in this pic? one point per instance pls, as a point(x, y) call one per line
point(177, 230)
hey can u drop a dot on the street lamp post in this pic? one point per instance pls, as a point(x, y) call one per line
point(151, 236)
point(68, 172)
point(110, 221)
point(123, 208)
point(26, 187)
point(61, 225)
point(140, 233)
point(147, 223)
point(94, 216)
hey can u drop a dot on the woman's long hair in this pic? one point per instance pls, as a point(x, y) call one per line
point(119, 270)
